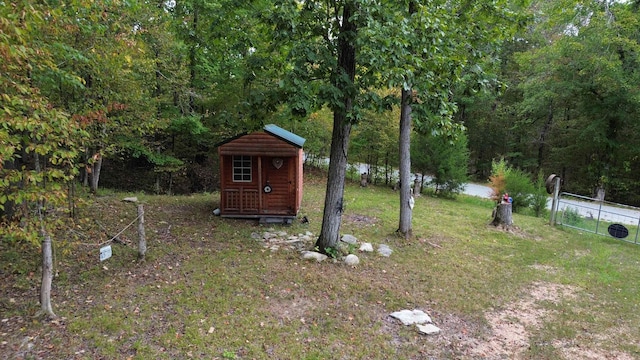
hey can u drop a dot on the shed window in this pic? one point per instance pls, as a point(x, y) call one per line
point(242, 168)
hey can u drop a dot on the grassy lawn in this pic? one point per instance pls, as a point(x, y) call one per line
point(210, 290)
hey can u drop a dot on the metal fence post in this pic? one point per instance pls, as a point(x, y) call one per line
point(554, 203)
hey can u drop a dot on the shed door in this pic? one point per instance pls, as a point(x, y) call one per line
point(277, 173)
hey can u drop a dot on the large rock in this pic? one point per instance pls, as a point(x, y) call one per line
point(312, 255)
point(366, 247)
point(349, 239)
point(351, 260)
point(409, 317)
point(384, 250)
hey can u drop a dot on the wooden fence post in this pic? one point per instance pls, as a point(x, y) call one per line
point(142, 242)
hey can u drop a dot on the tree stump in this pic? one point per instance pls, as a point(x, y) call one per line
point(364, 177)
point(502, 215)
point(417, 186)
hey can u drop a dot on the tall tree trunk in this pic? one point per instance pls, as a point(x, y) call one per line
point(96, 167)
point(406, 211)
point(406, 198)
point(334, 202)
point(87, 169)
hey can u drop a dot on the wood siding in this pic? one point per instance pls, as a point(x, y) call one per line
point(281, 199)
point(249, 199)
point(258, 144)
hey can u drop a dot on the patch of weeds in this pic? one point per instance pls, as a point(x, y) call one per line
point(332, 252)
point(350, 249)
point(228, 354)
point(571, 216)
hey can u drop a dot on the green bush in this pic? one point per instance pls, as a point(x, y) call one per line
point(444, 158)
point(571, 216)
point(539, 197)
point(520, 188)
point(515, 182)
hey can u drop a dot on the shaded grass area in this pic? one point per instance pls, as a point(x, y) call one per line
point(208, 289)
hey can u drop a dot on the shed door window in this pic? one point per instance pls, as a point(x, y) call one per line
point(242, 168)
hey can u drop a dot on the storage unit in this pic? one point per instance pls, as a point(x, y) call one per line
point(261, 175)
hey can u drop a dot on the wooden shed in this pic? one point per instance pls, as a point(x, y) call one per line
point(261, 175)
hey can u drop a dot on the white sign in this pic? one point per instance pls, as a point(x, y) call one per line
point(105, 253)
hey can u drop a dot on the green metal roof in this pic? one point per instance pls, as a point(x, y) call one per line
point(284, 135)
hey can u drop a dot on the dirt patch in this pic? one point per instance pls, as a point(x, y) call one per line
point(361, 220)
point(545, 268)
point(571, 351)
point(286, 310)
point(514, 230)
point(511, 326)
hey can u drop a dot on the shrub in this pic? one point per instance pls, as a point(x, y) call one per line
point(539, 197)
point(515, 182)
point(571, 216)
point(445, 158)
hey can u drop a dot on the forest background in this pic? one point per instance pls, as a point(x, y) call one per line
point(135, 95)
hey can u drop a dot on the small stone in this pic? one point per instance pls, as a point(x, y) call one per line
point(366, 247)
point(409, 317)
point(131, 199)
point(384, 250)
point(349, 239)
point(428, 329)
point(255, 235)
point(312, 255)
point(351, 260)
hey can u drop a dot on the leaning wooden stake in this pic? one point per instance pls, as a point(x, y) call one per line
point(142, 242)
point(47, 276)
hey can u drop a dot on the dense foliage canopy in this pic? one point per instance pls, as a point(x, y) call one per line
point(150, 87)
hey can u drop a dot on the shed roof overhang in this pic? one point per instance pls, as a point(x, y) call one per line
point(275, 141)
point(285, 135)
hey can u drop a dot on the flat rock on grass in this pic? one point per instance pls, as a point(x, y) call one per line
point(409, 317)
point(312, 255)
point(428, 329)
point(384, 250)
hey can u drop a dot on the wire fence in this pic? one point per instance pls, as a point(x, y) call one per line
point(599, 217)
point(142, 242)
